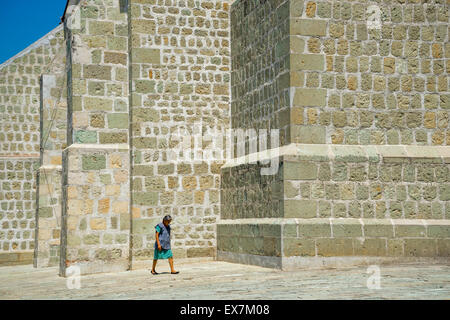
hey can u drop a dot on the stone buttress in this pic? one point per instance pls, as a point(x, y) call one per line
point(362, 111)
point(95, 233)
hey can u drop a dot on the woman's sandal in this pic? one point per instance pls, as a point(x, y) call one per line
point(177, 272)
point(154, 272)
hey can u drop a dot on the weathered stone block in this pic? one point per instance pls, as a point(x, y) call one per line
point(97, 104)
point(296, 8)
point(145, 114)
point(143, 170)
point(290, 230)
point(113, 137)
point(83, 136)
point(370, 247)
point(300, 208)
point(45, 212)
point(124, 221)
point(300, 170)
point(115, 58)
point(145, 86)
point(444, 192)
point(308, 27)
point(118, 120)
point(443, 247)
point(98, 224)
point(438, 231)
point(298, 247)
point(409, 230)
point(143, 26)
point(378, 230)
point(310, 97)
point(329, 247)
point(314, 230)
point(146, 198)
point(103, 28)
point(144, 226)
point(308, 134)
point(108, 254)
point(93, 162)
point(343, 229)
point(307, 62)
point(146, 55)
point(145, 143)
point(200, 252)
point(420, 247)
point(91, 239)
point(97, 72)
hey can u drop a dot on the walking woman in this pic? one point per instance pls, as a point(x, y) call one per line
point(162, 244)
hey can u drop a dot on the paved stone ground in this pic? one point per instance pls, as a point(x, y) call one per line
point(228, 281)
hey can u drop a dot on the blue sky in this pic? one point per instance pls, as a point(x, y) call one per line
point(22, 22)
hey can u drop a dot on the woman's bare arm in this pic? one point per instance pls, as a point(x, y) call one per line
point(157, 240)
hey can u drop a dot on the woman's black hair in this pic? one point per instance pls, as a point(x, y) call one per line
point(168, 217)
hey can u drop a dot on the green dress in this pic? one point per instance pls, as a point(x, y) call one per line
point(164, 253)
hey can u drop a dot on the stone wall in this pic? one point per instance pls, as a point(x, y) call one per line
point(362, 111)
point(17, 209)
point(245, 193)
point(170, 63)
point(180, 76)
point(48, 216)
point(350, 82)
point(369, 182)
point(20, 145)
point(95, 218)
point(365, 203)
point(53, 115)
point(260, 60)
point(95, 224)
point(363, 172)
point(359, 84)
point(20, 91)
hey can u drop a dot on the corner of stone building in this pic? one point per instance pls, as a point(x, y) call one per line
point(352, 156)
point(96, 165)
point(20, 140)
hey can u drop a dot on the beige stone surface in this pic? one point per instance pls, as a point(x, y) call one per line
point(199, 280)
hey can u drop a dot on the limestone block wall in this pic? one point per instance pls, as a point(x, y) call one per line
point(368, 103)
point(180, 75)
point(245, 193)
point(352, 81)
point(369, 201)
point(363, 82)
point(53, 128)
point(20, 92)
point(48, 216)
point(260, 58)
point(368, 182)
point(140, 75)
point(17, 209)
point(95, 220)
point(98, 73)
point(364, 203)
point(251, 242)
point(20, 145)
point(53, 114)
point(95, 226)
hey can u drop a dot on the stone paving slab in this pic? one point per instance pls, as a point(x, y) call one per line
point(228, 281)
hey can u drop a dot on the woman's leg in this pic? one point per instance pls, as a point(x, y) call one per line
point(171, 265)
point(154, 265)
